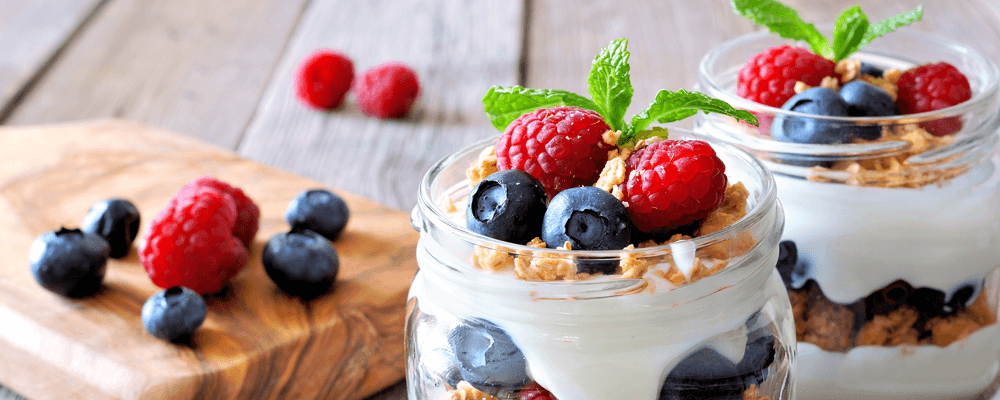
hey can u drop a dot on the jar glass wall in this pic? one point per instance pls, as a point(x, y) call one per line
point(609, 336)
point(892, 245)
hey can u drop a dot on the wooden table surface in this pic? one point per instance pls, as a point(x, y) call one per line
point(221, 70)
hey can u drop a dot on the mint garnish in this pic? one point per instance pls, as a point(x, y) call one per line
point(852, 32)
point(609, 83)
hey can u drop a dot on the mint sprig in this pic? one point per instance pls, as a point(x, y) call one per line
point(850, 34)
point(610, 86)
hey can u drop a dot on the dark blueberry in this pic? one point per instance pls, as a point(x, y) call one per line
point(320, 211)
point(930, 302)
point(117, 221)
point(815, 101)
point(174, 313)
point(508, 206)
point(868, 69)
point(301, 262)
point(960, 298)
point(867, 100)
point(788, 257)
point(706, 374)
point(887, 299)
point(486, 355)
point(590, 219)
point(69, 261)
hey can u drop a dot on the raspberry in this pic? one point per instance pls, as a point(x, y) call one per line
point(673, 183)
point(387, 91)
point(769, 77)
point(560, 146)
point(933, 87)
point(191, 243)
point(534, 391)
point(247, 213)
point(323, 79)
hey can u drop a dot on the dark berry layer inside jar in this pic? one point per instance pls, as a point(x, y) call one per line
point(896, 314)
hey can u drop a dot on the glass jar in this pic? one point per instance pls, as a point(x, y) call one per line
point(891, 246)
point(609, 337)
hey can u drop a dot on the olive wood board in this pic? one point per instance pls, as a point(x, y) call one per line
point(256, 342)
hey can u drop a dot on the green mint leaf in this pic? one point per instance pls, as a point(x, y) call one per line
point(503, 104)
point(609, 83)
point(848, 33)
point(890, 24)
point(785, 22)
point(674, 106)
point(657, 131)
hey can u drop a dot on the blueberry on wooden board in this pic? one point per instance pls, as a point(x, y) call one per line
point(320, 211)
point(173, 314)
point(117, 221)
point(301, 262)
point(69, 262)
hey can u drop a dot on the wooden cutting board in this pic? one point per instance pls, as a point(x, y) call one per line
point(256, 342)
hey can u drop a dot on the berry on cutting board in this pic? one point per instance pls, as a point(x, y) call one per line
point(69, 262)
point(323, 79)
point(320, 211)
point(933, 87)
point(247, 212)
point(301, 262)
point(508, 205)
point(115, 220)
point(173, 314)
point(673, 183)
point(191, 242)
point(387, 91)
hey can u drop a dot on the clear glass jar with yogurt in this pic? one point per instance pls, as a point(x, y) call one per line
point(891, 247)
point(609, 337)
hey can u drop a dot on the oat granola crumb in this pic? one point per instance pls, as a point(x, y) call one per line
point(447, 205)
point(465, 391)
point(733, 208)
point(483, 166)
point(892, 75)
point(753, 393)
point(828, 324)
point(612, 175)
point(632, 266)
point(548, 267)
point(799, 299)
point(893, 329)
point(830, 83)
point(801, 87)
point(493, 260)
point(849, 69)
point(947, 330)
point(611, 136)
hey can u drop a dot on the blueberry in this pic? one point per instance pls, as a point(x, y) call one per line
point(887, 299)
point(487, 356)
point(590, 219)
point(117, 221)
point(69, 262)
point(930, 302)
point(320, 211)
point(816, 101)
point(960, 298)
point(867, 100)
point(868, 69)
point(706, 374)
point(301, 262)
point(174, 313)
point(508, 206)
point(788, 257)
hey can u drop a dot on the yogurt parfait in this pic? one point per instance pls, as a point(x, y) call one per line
point(885, 161)
point(580, 257)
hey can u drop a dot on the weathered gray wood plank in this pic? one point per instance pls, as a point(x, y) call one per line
point(458, 49)
point(31, 34)
point(191, 66)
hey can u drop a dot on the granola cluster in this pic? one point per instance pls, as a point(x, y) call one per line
point(832, 326)
point(465, 391)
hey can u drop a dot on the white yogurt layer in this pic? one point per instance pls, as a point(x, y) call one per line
point(604, 348)
point(859, 239)
point(962, 369)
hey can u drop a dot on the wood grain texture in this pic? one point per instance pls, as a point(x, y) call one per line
point(31, 33)
point(458, 49)
point(256, 342)
point(187, 65)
